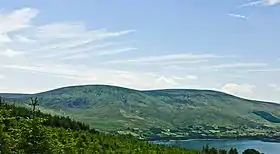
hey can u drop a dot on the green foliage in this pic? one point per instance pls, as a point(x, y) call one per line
point(222, 151)
point(207, 150)
point(251, 151)
point(49, 120)
point(34, 137)
point(22, 134)
point(233, 151)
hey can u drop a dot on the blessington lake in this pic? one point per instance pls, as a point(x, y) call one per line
point(240, 145)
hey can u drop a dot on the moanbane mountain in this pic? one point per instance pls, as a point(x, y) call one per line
point(174, 112)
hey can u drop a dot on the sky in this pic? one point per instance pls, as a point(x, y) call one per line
point(230, 46)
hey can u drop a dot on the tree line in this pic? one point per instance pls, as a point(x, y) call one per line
point(29, 131)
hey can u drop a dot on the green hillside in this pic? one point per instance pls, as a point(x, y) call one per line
point(161, 113)
point(23, 131)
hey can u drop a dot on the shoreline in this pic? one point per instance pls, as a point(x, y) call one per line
point(166, 139)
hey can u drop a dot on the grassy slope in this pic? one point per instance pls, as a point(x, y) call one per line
point(110, 108)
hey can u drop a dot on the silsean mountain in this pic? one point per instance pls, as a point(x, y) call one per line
point(160, 113)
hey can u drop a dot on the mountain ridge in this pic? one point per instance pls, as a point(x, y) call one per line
point(114, 108)
point(150, 90)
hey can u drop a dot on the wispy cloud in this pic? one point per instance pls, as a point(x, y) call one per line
point(22, 39)
point(254, 3)
point(240, 65)
point(77, 51)
point(10, 53)
point(42, 49)
point(113, 52)
point(16, 20)
point(260, 2)
point(94, 75)
point(179, 68)
point(53, 40)
point(176, 63)
point(80, 55)
point(188, 77)
point(274, 86)
point(237, 16)
point(271, 2)
point(169, 59)
point(238, 88)
point(264, 70)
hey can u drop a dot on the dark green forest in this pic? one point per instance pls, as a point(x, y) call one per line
point(30, 131)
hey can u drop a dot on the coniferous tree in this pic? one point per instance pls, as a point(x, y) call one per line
point(34, 136)
point(4, 147)
point(233, 151)
point(205, 149)
point(251, 151)
point(213, 151)
point(222, 151)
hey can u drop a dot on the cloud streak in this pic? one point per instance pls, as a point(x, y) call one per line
point(264, 70)
point(238, 88)
point(16, 20)
point(237, 16)
point(53, 40)
point(240, 65)
point(10, 53)
point(172, 58)
point(114, 52)
point(274, 86)
point(261, 2)
point(106, 76)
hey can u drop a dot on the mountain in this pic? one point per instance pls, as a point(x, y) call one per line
point(28, 131)
point(111, 108)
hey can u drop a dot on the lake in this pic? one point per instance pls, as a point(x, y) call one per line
point(240, 145)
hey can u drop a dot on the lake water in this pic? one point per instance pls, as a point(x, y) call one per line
point(241, 145)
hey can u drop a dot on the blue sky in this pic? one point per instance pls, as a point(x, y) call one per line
point(230, 46)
